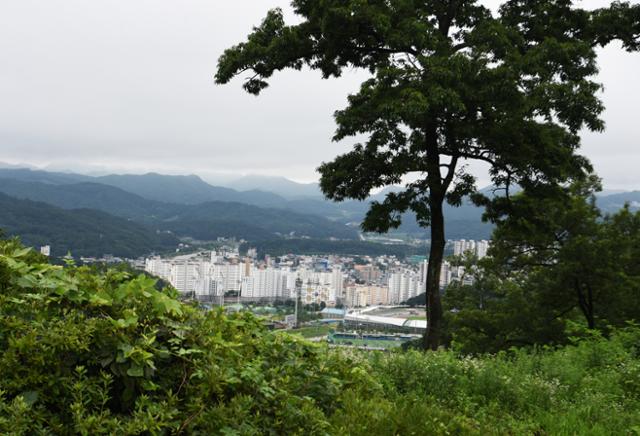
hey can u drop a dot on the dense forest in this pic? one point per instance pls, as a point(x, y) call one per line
point(82, 232)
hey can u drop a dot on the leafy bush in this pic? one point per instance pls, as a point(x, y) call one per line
point(108, 353)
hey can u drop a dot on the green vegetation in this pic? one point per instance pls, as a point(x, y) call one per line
point(369, 343)
point(104, 352)
point(564, 264)
point(109, 354)
point(590, 388)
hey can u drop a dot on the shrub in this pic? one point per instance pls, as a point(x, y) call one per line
point(108, 353)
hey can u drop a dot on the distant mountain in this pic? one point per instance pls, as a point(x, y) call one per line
point(206, 221)
point(28, 175)
point(15, 166)
point(278, 185)
point(185, 189)
point(210, 220)
point(152, 186)
point(157, 200)
point(614, 202)
point(606, 192)
point(84, 232)
point(106, 198)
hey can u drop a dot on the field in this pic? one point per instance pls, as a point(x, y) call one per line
point(369, 343)
point(365, 342)
point(312, 331)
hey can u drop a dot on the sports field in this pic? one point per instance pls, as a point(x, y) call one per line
point(364, 341)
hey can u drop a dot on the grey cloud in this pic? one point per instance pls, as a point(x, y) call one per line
point(128, 85)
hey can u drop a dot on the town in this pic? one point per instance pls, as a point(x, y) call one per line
point(327, 281)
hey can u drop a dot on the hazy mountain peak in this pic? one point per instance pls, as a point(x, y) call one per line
point(277, 184)
point(6, 165)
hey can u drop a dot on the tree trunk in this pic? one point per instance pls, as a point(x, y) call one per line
point(586, 304)
point(436, 254)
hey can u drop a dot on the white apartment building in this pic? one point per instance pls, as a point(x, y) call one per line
point(158, 267)
point(479, 248)
point(210, 279)
point(266, 283)
point(333, 280)
point(184, 275)
point(315, 293)
point(229, 274)
point(404, 285)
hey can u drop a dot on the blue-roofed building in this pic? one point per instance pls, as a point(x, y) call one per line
point(332, 313)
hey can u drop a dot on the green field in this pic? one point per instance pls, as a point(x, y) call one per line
point(371, 343)
point(313, 331)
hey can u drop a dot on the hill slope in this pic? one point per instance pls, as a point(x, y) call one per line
point(205, 221)
point(614, 202)
point(83, 195)
point(186, 190)
point(278, 185)
point(84, 232)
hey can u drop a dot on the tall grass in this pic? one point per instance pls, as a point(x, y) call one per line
point(591, 388)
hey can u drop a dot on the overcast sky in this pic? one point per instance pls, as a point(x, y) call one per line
point(127, 85)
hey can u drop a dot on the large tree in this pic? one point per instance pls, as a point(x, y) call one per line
point(450, 81)
point(573, 257)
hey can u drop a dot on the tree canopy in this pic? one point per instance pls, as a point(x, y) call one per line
point(555, 262)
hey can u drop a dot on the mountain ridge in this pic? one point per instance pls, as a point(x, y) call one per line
point(207, 221)
point(151, 197)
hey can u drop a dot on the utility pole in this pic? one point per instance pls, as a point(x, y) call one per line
point(297, 295)
point(222, 290)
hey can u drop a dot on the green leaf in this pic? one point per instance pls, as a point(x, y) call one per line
point(100, 299)
point(22, 253)
point(29, 397)
point(135, 370)
point(106, 361)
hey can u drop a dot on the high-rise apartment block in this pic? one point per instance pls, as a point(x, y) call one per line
point(224, 272)
point(478, 248)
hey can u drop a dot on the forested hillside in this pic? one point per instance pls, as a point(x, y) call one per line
point(137, 196)
point(83, 232)
point(204, 221)
point(86, 195)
